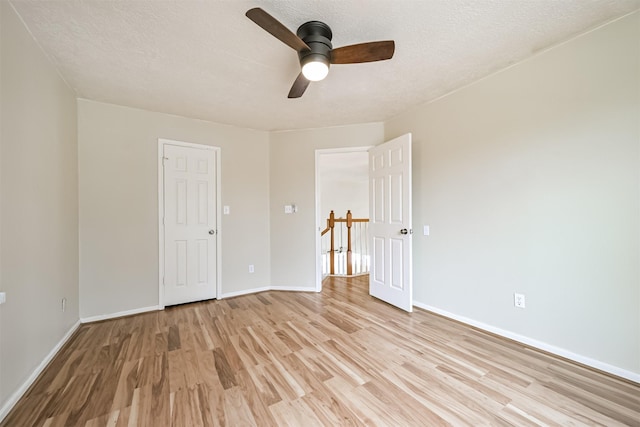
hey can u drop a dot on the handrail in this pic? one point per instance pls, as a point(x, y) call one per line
point(323, 232)
point(331, 221)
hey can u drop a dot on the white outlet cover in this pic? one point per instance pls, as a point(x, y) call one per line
point(3, 297)
point(426, 230)
point(288, 209)
point(226, 210)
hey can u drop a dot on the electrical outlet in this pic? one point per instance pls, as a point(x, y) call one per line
point(251, 269)
point(518, 300)
point(3, 297)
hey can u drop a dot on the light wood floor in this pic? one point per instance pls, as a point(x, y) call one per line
point(305, 359)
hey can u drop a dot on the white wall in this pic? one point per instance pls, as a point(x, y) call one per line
point(344, 183)
point(119, 204)
point(39, 207)
point(293, 250)
point(529, 180)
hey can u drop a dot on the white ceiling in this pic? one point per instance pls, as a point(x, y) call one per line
point(205, 59)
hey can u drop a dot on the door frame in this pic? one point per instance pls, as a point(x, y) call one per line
point(319, 219)
point(161, 143)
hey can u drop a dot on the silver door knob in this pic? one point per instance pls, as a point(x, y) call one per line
point(212, 232)
point(404, 231)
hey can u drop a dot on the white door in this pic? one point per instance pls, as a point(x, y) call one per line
point(189, 223)
point(390, 231)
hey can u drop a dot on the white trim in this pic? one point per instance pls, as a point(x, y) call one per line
point(10, 403)
point(293, 289)
point(160, 223)
point(319, 226)
point(318, 242)
point(605, 367)
point(161, 143)
point(245, 292)
point(100, 317)
point(267, 288)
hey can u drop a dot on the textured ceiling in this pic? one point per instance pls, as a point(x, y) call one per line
point(205, 59)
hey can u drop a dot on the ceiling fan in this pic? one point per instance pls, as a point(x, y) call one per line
point(313, 44)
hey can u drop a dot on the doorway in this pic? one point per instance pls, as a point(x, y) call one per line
point(389, 195)
point(341, 185)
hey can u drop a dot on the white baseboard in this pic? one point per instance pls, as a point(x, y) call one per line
point(119, 314)
point(293, 288)
point(10, 403)
point(266, 288)
point(605, 367)
point(245, 292)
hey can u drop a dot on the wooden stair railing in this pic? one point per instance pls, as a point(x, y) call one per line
point(331, 223)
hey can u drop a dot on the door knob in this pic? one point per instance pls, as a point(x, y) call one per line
point(404, 231)
point(212, 232)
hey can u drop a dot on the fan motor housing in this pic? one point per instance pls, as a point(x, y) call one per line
point(317, 35)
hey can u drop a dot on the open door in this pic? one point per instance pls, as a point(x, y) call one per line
point(390, 230)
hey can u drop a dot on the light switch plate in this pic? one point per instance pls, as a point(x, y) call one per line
point(426, 230)
point(3, 297)
point(226, 210)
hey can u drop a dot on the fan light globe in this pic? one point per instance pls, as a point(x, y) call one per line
point(315, 70)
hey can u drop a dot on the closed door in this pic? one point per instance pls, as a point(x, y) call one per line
point(390, 278)
point(190, 270)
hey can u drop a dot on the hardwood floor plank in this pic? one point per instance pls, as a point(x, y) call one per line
point(174, 338)
point(434, 410)
point(127, 381)
point(260, 394)
point(109, 420)
point(236, 410)
point(339, 357)
point(225, 373)
point(123, 417)
point(345, 393)
point(329, 409)
point(294, 413)
point(59, 421)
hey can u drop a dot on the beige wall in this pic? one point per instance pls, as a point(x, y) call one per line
point(529, 180)
point(343, 189)
point(39, 206)
point(119, 204)
point(293, 259)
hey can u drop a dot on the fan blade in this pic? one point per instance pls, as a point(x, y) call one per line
point(276, 29)
point(363, 52)
point(299, 86)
